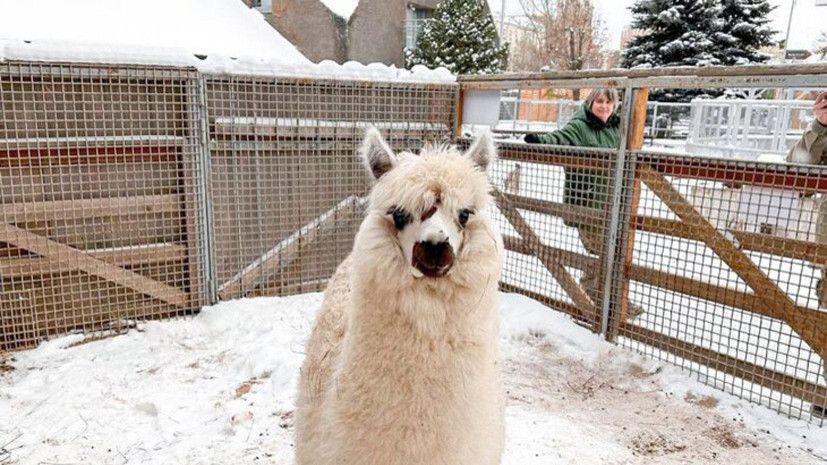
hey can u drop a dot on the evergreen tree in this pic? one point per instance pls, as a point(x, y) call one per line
point(697, 33)
point(461, 37)
point(677, 33)
point(745, 31)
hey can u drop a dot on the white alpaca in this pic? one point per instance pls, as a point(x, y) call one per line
point(402, 365)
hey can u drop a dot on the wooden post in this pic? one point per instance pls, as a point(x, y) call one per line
point(460, 105)
point(636, 129)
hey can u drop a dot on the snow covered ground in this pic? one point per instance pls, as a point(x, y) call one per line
point(218, 388)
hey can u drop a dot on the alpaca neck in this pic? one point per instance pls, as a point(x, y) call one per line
point(424, 312)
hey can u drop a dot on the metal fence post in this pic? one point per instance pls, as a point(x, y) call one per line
point(205, 194)
point(619, 185)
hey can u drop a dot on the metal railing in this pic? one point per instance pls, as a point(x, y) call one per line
point(746, 129)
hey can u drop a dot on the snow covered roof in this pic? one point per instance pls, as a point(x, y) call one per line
point(342, 8)
point(220, 36)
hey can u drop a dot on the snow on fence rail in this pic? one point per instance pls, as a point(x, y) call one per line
point(715, 265)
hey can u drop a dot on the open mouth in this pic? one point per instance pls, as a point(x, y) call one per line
point(433, 260)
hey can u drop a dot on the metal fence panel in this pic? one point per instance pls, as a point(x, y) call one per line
point(553, 209)
point(726, 261)
point(718, 265)
point(130, 192)
point(100, 223)
point(288, 189)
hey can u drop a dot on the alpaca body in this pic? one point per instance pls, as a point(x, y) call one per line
point(403, 369)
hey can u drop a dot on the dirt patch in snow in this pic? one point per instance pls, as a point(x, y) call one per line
point(624, 407)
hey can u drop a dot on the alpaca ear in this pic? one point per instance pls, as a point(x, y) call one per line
point(483, 151)
point(377, 156)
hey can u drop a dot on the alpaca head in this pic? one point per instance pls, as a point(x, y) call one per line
point(428, 211)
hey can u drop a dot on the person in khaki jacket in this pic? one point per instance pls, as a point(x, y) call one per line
point(812, 149)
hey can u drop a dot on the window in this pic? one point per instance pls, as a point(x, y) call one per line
point(414, 23)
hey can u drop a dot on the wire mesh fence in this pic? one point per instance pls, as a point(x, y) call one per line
point(100, 221)
point(129, 193)
point(288, 188)
point(553, 211)
point(718, 265)
point(727, 261)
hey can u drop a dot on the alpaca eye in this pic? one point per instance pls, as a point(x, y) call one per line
point(400, 217)
point(464, 214)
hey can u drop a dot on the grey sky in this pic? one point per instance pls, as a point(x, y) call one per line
point(808, 21)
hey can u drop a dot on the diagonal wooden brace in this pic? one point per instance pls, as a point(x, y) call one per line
point(811, 326)
point(579, 296)
point(65, 257)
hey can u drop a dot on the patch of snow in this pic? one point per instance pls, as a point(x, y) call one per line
point(174, 30)
point(342, 8)
point(214, 36)
point(219, 388)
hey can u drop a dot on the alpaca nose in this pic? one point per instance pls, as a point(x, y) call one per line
point(436, 237)
point(433, 259)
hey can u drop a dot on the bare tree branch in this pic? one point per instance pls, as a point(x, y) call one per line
point(559, 34)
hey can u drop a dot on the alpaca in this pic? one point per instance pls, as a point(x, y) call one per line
point(402, 364)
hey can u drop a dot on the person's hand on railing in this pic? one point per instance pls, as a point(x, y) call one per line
point(532, 139)
point(820, 108)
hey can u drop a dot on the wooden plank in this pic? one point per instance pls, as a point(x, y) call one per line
point(564, 257)
point(571, 213)
point(85, 156)
point(560, 274)
point(802, 250)
point(129, 256)
point(713, 293)
point(807, 180)
point(62, 210)
point(775, 302)
point(285, 250)
point(688, 71)
point(791, 248)
point(560, 156)
point(86, 143)
point(123, 179)
point(638, 123)
point(62, 255)
point(672, 282)
point(809, 392)
point(460, 110)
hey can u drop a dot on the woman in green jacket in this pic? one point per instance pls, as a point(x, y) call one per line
point(596, 124)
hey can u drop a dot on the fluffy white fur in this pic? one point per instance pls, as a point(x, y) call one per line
point(402, 369)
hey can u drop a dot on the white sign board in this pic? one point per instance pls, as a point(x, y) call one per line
point(481, 107)
point(821, 2)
